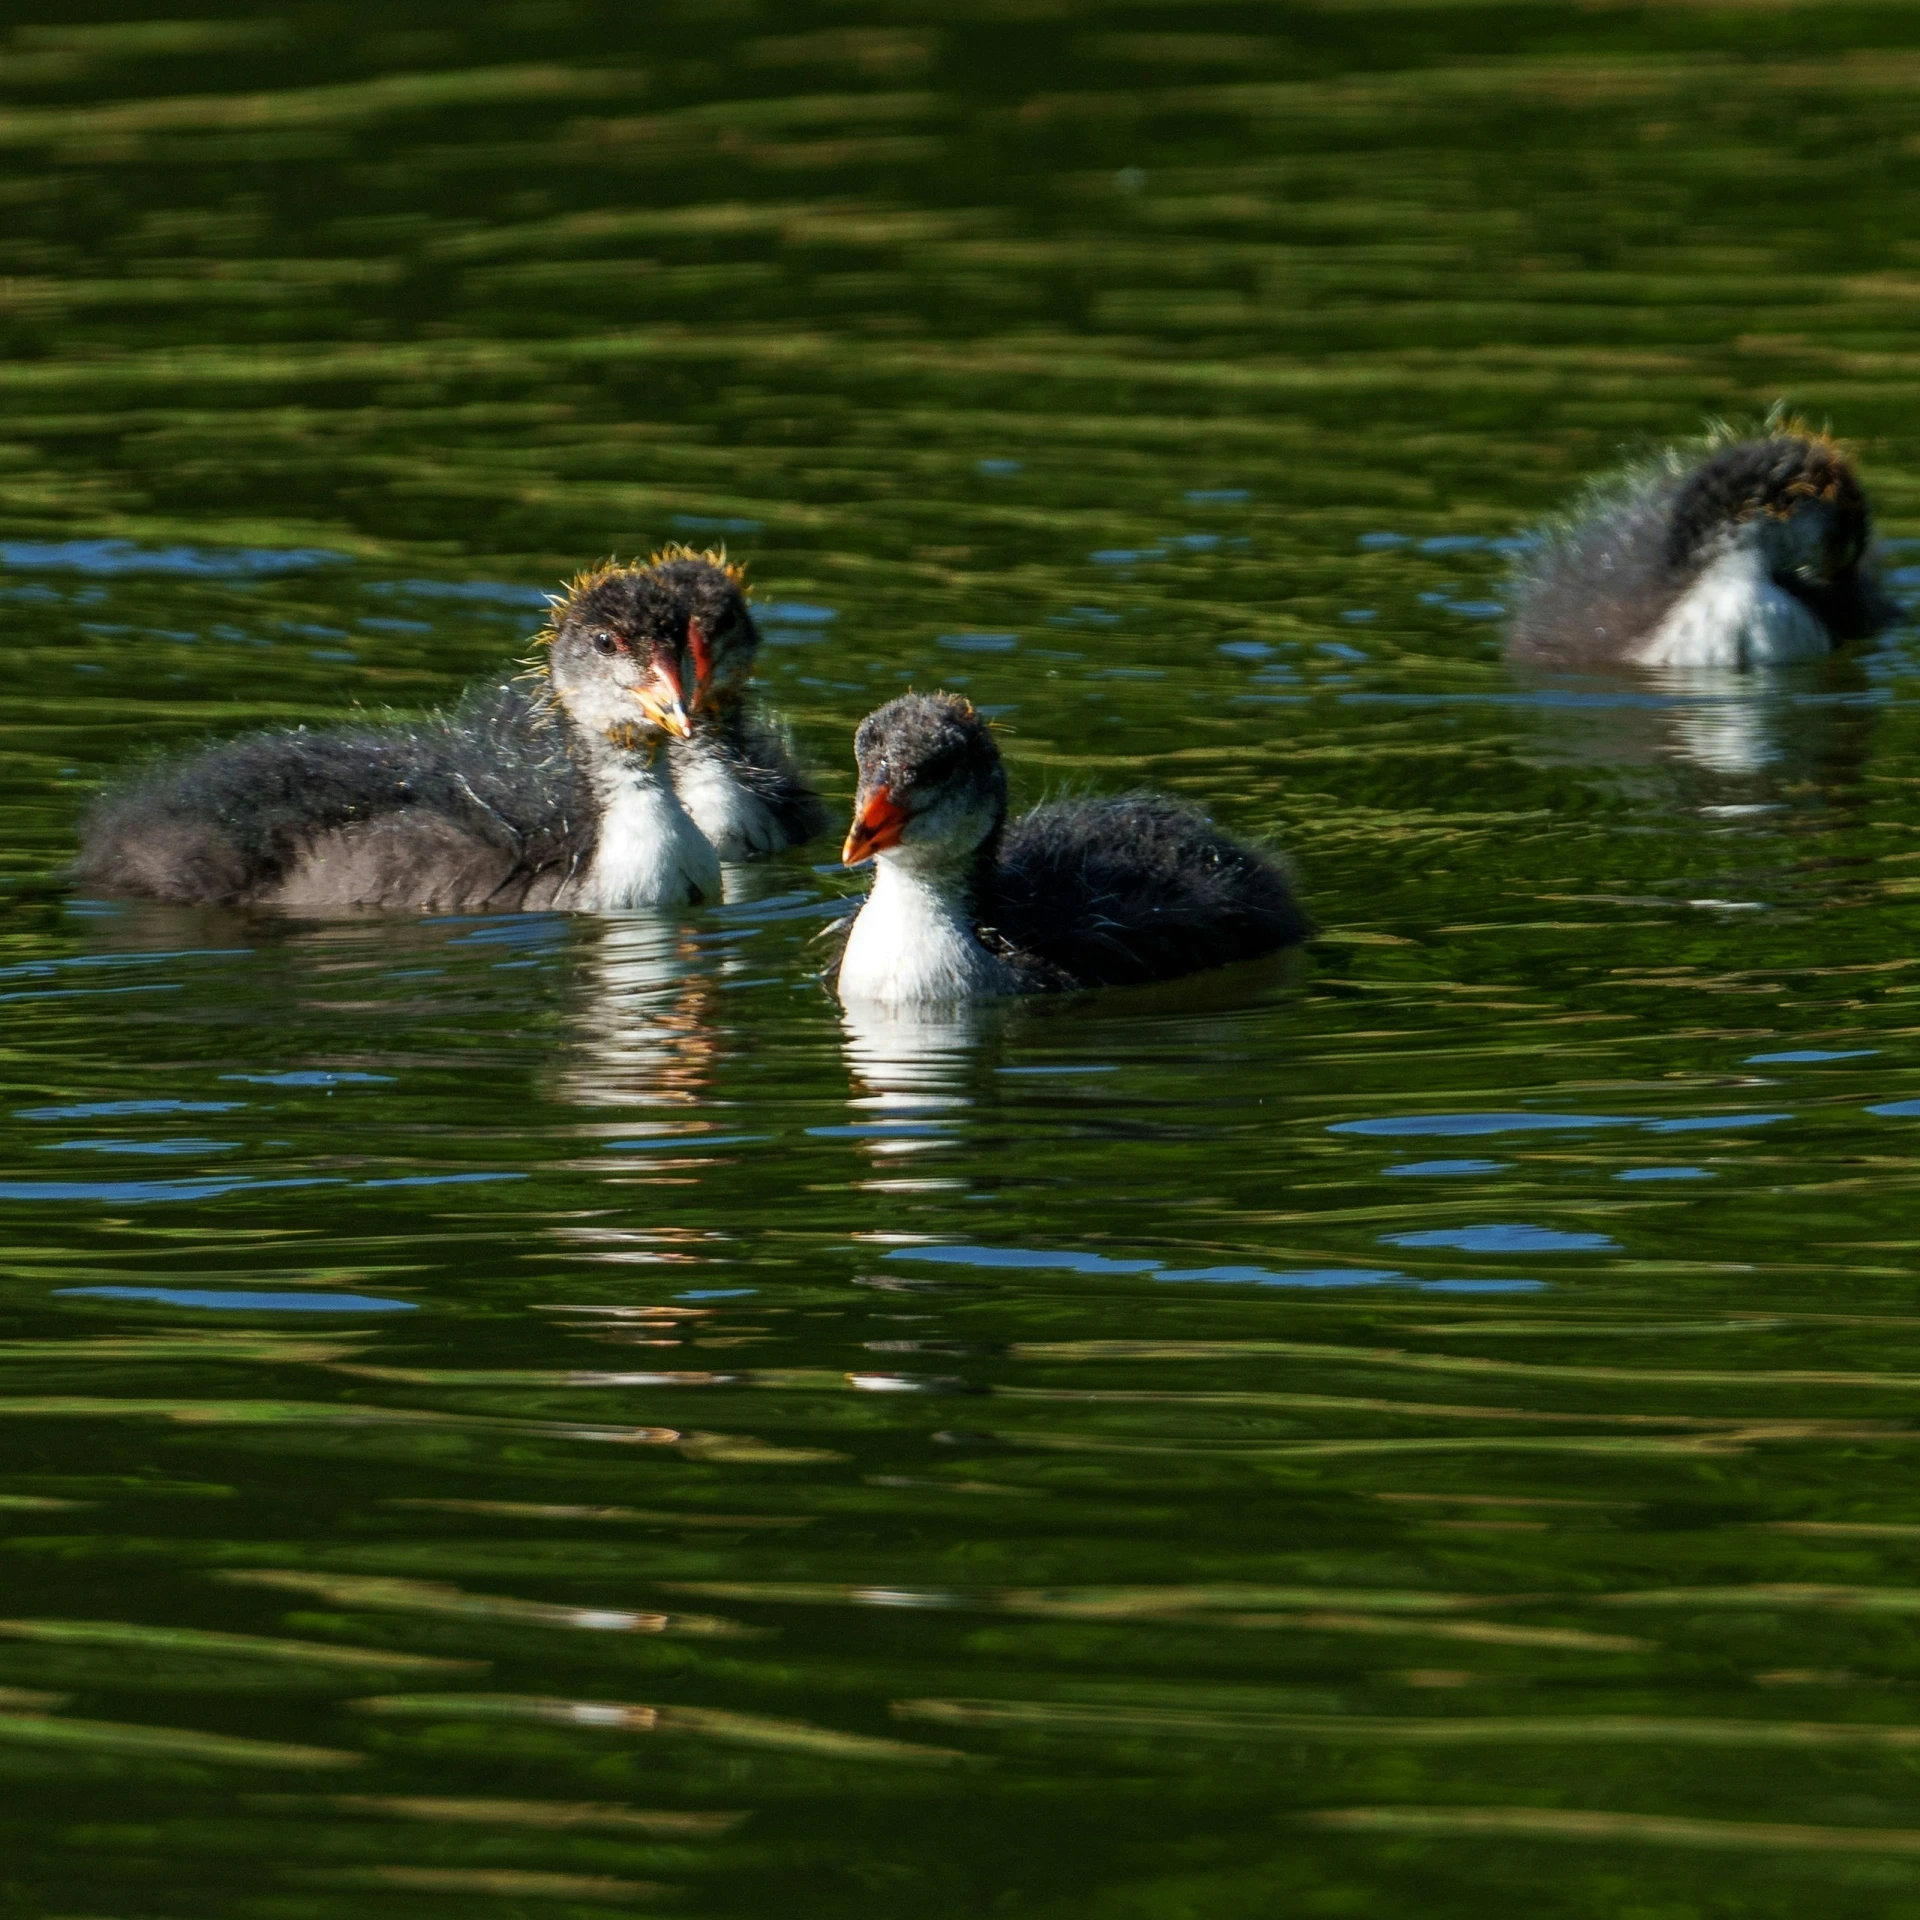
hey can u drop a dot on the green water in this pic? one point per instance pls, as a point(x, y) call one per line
point(1431, 1430)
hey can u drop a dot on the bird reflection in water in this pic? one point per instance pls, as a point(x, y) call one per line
point(1738, 735)
point(913, 1069)
point(1809, 726)
point(644, 1031)
point(644, 1038)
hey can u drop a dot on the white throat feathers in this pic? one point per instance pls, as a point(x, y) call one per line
point(733, 817)
point(647, 851)
point(913, 941)
point(1736, 614)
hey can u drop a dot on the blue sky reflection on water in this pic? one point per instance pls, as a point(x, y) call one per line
point(237, 1300)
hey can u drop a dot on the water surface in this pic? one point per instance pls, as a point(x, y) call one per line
point(541, 1415)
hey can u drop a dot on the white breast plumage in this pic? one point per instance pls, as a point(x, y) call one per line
point(647, 853)
point(735, 819)
point(914, 942)
point(1735, 615)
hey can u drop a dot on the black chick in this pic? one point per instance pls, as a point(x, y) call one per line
point(736, 771)
point(547, 792)
point(1091, 893)
point(1754, 554)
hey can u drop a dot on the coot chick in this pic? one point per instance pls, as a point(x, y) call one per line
point(549, 792)
point(735, 772)
point(1749, 554)
point(1087, 893)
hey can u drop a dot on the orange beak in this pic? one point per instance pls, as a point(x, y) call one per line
point(662, 701)
point(877, 826)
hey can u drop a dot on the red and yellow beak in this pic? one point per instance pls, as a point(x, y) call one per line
point(662, 700)
point(699, 646)
point(877, 825)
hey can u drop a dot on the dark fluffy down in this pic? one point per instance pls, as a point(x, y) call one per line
point(1764, 476)
point(1596, 589)
point(480, 807)
point(1109, 893)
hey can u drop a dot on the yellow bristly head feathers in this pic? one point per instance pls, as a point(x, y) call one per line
point(713, 556)
point(590, 577)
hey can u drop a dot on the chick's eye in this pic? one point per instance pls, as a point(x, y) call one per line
point(605, 642)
